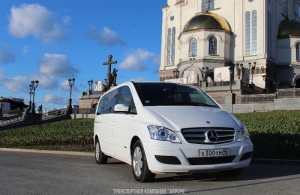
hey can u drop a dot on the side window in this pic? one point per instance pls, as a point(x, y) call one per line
point(126, 99)
point(107, 102)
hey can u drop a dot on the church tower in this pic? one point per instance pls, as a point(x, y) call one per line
point(221, 40)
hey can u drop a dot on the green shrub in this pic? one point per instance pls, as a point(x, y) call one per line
point(66, 134)
point(275, 135)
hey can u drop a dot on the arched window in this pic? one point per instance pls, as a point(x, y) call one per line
point(212, 45)
point(193, 47)
point(285, 7)
point(168, 47)
point(171, 46)
point(254, 32)
point(247, 22)
point(251, 33)
point(207, 5)
point(270, 51)
point(297, 52)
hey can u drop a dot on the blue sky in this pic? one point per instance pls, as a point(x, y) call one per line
point(52, 41)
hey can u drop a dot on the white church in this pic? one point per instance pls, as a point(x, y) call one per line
point(211, 41)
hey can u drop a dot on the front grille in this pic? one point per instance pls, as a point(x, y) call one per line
point(211, 160)
point(200, 135)
point(172, 160)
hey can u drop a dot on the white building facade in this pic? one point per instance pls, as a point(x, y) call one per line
point(256, 36)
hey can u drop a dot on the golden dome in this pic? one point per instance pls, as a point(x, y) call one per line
point(289, 27)
point(207, 20)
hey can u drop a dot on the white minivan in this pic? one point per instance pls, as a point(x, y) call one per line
point(162, 127)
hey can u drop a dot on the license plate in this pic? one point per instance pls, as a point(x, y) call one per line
point(213, 152)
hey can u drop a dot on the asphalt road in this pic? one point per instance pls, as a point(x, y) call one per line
point(39, 173)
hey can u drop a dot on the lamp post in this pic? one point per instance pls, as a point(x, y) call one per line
point(90, 82)
point(252, 70)
point(231, 67)
point(204, 72)
point(34, 85)
point(30, 93)
point(276, 82)
point(71, 84)
point(1, 108)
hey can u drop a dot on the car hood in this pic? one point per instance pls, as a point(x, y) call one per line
point(178, 117)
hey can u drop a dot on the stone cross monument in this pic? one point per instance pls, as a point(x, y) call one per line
point(111, 77)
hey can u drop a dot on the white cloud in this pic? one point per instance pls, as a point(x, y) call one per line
point(105, 37)
point(46, 82)
point(66, 87)
point(35, 20)
point(25, 50)
point(57, 65)
point(21, 83)
point(16, 84)
point(136, 59)
point(55, 99)
point(6, 57)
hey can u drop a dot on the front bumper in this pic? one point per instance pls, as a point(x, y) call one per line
point(166, 157)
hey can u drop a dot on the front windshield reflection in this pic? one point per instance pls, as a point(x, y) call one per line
point(165, 94)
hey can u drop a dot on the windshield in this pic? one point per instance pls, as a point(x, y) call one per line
point(165, 94)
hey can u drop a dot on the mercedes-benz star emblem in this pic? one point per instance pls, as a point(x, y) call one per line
point(212, 136)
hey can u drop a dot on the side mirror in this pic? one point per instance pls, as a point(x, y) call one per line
point(121, 108)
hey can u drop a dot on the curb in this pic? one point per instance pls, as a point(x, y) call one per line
point(47, 151)
point(253, 161)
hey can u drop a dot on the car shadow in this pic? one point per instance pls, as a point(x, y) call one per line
point(253, 172)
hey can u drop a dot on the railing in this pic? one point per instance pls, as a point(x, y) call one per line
point(257, 98)
point(220, 83)
point(11, 120)
point(11, 113)
point(289, 93)
point(54, 113)
point(83, 110)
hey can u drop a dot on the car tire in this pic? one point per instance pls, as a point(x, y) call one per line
point(139, 164)
point(232, 173)
point(100, 157)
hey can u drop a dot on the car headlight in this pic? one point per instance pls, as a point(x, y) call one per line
point(163, 134)
point(242, 134)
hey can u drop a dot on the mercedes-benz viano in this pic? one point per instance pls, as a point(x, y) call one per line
point(161, 127)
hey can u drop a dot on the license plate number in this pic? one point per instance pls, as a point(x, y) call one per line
point(213, 152)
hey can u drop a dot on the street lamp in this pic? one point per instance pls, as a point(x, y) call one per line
point(231, 68)
point(34, 85)
point(90, 85)
point(252, 70)
point(30, 93)
point(1, 108)
point(205, 72)
point(71, 84)
point(276, 82)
